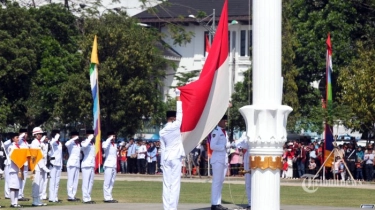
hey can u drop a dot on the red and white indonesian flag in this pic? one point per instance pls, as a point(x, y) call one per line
point(205, 101)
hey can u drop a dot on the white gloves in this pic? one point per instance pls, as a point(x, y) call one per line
point(110, 138)
point(46, 169)
point(22, 135)
point(57, 136)
point(91, 136)
point(44, 137)
point(178, 92)
point(75, 138)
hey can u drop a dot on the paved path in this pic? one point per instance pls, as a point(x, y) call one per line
point(158, 206)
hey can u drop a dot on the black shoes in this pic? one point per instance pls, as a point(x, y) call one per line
point(110, 201)
point(23, 199)
point(74, 199)
point(15, 206)
point(218, 207)
point(89, 202)
point(248, 207)
point(59, 201)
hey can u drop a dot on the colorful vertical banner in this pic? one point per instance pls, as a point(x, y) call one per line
point(96, 107)
point(328, 143)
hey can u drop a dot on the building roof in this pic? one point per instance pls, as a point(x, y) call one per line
point(173, 10)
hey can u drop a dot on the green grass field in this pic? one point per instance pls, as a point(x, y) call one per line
point(151, 192)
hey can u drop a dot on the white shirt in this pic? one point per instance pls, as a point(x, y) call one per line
point(37, 144)
point(74, 150)
point(110, 151)
point(170, 138)
point(56, 152)
point(13, 167)
point(142, 150)
point(219, 144)
point(88, 150)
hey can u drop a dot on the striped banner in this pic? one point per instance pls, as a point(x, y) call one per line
point(96, 107)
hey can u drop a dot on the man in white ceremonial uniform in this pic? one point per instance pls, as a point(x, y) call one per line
point(73, 165)
point(7, 162)
point(110, 167)
point(56, 166)
point(243, 143)
point(14, 173)
point(172, 152)
point(45, 150)
point(40, 168)
point(23, 144)
point(219, 145)
point(87, 166)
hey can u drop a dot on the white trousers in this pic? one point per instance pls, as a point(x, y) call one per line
point(171, 183)
point(219, 170)
point(43, 193)
point(72, 184)
point(23, 182)
point(54, 183)
point(37, 184)
point(109, 180)
point(6, 188)
point(87, 183)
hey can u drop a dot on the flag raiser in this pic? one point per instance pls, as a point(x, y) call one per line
point(96, 108)
point(328, 142)
point(205, 101)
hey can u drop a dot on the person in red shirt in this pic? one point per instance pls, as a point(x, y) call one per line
point(285, 168)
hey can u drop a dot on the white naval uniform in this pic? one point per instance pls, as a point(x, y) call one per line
point(219, 161)
point(23, 144)
point(7, 162)
point(40, 169)
point(88, 165)
point(56, 166)
point(14, 182)
point(172, 152)
point(43, 193)
point(243, 143)
point(110, 165)
point(73, 165)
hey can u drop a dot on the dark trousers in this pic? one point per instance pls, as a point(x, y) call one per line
point(151, 167)
point(132, 165)
point(142, 166)
point(369, 171)
point(234, 168)
point(359, 174)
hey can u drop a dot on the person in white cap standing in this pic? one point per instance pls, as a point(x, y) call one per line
point(88, 165)
point(7, 162)
point(14, 179)
point(40, 168)
point(56, 165)
point(110, 166)
point(73, 165)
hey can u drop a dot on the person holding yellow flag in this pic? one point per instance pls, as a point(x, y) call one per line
point(40, 168)
point(14, 173)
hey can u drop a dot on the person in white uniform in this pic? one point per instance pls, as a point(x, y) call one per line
point(40, 168)
point(219, 145)
point(23, 144)
point(7, 162)
point(110, 167)
point(73, 165)
point(87, 166)
point(45, 150)
point(56, 166)
point(172, 152)
point(243, 143)
point(14, 173)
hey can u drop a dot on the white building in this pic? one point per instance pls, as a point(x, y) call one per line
point(193, 54)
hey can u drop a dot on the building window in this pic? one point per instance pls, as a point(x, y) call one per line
point(233, 40)
point(250, 42)
point(243, 43)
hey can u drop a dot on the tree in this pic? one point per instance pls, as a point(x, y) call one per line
point(358, 89)
point(130, 74)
